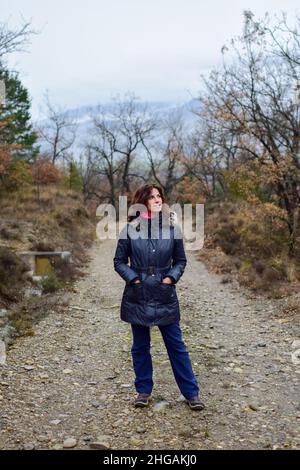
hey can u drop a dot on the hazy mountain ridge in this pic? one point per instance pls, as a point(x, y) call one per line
point(161, 111)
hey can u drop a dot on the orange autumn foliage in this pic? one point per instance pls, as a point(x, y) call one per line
point(44, 172)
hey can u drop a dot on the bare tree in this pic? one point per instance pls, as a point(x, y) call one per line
point(203, 159)
point(118, 133)
point(14, 40)
point(253, 101)
point(58, 133)
point(166, 152)
point(88, 171)
point(285, 40)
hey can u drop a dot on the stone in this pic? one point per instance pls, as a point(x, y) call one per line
point(140, 430)
point(180, 398)
point(162, 405)
point(296, 357)
point(57, 447)
point(253, 407)
point(136, 442)
point(2, 353)
point(111, 376)
point(43, 438)
point(43, 375)
point(95, 404)
point(99, 445)
point(67, 371)
point(69, 443)
point(29, 446)
point(103, 397)
point(101, 442)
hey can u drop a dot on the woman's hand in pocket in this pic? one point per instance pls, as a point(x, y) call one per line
point(167, 280)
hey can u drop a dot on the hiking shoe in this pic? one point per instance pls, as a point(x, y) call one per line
point(195, 403)
point(142, 400)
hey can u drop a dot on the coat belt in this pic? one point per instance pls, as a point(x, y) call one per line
point(150, 269)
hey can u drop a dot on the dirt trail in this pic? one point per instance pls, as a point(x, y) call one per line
point(73, 379)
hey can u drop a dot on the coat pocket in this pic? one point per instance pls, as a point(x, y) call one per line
point(167, 293)
point(135, 292)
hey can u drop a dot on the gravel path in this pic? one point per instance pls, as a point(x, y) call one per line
point(71, 384)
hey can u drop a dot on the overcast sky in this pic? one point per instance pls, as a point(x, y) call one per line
point(87, 51)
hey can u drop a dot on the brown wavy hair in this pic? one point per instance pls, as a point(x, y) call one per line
point(142, 195)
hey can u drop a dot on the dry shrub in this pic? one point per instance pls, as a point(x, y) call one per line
point(259, 266)
point(64, 268)
point(12, 270)
point(23, 327)
point(227, 238)
point(271, 275)
point(237, 262)
point(44, 172)
point(8, 234)
point(64, 219)
point(29, 311)
point(57, 221)
point(255, 238)
point(262, 229)
point(43, 245)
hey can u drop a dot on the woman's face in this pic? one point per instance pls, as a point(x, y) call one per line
point(155, 201)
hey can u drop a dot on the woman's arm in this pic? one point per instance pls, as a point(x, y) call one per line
point(121, 258)
point(179, 260)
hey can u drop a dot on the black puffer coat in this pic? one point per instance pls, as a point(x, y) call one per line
point(152, 258)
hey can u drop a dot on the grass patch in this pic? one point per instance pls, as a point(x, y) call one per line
point(50, 283)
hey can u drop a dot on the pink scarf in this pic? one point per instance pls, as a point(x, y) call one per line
point(147, 215)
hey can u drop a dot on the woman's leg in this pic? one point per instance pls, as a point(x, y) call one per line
point(141, 357)
point(180, 360)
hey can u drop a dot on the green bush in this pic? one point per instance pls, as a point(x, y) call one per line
point(50, 283)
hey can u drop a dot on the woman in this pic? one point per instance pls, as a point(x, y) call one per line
point(153, 243)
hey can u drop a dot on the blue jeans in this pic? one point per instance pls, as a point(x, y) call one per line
point(178, 355)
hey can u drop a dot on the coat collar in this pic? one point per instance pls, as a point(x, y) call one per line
point(172, 219)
